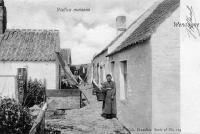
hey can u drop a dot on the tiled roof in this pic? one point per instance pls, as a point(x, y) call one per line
point(29, 45)
point(144, 31)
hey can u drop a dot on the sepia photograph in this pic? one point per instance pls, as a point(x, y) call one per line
point(99, 67)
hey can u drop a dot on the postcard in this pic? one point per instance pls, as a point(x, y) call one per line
point(99, 67)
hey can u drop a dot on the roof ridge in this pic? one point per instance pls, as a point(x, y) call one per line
point(33, 30)
point(152, 7)
point(141, 32)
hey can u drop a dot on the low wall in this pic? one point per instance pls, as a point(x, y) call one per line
point(63, 99)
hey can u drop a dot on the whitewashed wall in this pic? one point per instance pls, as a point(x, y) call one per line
point(8, 86)
point(165, 44)
point(38, 70)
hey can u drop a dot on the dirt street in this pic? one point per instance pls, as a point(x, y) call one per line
point(86, 120)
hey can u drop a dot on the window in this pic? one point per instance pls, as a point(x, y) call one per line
point(98, 73)
point(104, 73)
point(123, 80)
point(101, 74)
point(112, 67)
point(93, 70)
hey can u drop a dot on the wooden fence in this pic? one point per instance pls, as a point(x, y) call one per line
point(39, 124)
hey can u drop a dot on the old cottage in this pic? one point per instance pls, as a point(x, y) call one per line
point(144, 61)
point(36, 50)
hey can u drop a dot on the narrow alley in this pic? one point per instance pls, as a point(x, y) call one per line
point(55, 55)
point(86, 120)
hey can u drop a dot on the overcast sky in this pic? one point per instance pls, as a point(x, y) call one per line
point(86, 33)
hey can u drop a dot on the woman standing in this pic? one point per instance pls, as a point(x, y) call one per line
point(109, 103)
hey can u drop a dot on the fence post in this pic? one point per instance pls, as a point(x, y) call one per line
point(39, 119)
point(42, 128)
point(45, 94)
point(16, 90)
point(45, 100)
point(21, 83)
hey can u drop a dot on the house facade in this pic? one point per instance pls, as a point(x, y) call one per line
point(30, 49)
point(33, 49)
point(144, 62)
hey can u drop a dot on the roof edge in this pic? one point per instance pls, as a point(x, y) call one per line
point(134, 44)
point(148, 36)
point(110, 44)
point(33, 30)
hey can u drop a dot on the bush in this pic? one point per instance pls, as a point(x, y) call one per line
point(14, 118)
point(35, 93)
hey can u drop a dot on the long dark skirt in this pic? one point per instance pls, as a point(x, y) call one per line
point(107, 116)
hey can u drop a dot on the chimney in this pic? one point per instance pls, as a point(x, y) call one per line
point(3, 17)
point(121, 24)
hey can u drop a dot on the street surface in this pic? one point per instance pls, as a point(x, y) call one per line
point(86, 120)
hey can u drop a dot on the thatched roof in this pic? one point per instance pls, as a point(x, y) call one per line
point(29, 45)
point(150, 20)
